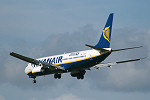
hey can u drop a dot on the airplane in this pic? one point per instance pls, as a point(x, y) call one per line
point(75, 63)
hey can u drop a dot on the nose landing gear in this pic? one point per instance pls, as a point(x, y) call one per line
point(34, 81)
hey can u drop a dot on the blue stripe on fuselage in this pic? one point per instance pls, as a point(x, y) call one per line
point(86, 63)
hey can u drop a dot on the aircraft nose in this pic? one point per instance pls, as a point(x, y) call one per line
point(28, 69)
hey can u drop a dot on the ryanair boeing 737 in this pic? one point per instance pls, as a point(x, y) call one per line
point(75, 63)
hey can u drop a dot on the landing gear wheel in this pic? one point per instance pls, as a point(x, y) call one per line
point(80, 77)
point(34, 81)
point(57, 76)
point(34, 77)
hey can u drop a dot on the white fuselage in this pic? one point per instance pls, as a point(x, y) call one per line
point(64, 59)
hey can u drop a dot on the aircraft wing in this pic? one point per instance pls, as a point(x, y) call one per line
point(114, 63)
point(36, 62)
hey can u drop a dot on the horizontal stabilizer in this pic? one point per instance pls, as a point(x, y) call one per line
point(126, 48)
point(114, 63)
point(129, 60)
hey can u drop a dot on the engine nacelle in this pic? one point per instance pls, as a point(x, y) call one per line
point(36, 70)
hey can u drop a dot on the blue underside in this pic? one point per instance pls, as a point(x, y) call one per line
point(84, 64)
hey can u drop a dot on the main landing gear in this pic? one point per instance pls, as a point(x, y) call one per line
point(57, 76)
point(80, 76)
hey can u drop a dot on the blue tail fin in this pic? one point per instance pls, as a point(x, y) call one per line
point(105, 38)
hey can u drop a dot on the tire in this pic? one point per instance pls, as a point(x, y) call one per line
point(55, 76)
point(59, 76)
point(82, 77)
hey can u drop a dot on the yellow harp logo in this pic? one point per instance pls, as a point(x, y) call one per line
point(106, 33)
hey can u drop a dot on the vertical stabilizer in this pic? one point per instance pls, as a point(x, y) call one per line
point(105, 38)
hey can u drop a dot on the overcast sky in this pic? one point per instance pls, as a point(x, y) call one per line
point(37, 28)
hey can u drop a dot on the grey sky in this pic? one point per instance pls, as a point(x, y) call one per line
point(38, 28)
